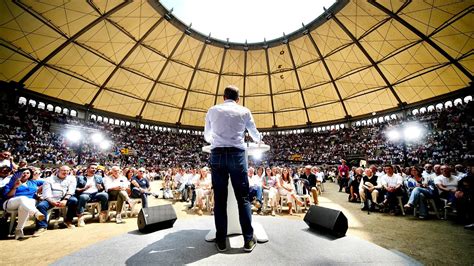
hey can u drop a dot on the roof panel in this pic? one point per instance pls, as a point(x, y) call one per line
point(145, 61)
point(27, 33)
point(81, 61)
point(168, 95)
point(177, 74)
point(69, 16)
point(313, 74)
point(279, 59)
point(204, 82)
point(284, 119)
point(163, 39)
point(319, 95)
point(360, 82)
point(326, 113)
point(284, 82)
point(303, 50)
point(65, 87)
point(359, 17)
point(136, 18)
point(157, 112)
point(371, 102)
point(188, 51)
point(330, 37)
point(431, 84)
point(346, 60)
point(288, 101)
point(260, 104)
point(211, 59)
point(14, 65)
point(108, 40)
point(263, 120)
point(199, 102)
point(234, 62)
point(124, 81)
point(256, 62)
point(193, 118)
point(257, 85)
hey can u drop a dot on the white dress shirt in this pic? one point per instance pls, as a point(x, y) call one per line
point(226, 123)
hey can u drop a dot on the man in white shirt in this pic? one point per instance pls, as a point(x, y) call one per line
point(224, 129)
point(392, 184)
point(428, 173)
point(118, 188)
point(57, 191)
point(447, 184)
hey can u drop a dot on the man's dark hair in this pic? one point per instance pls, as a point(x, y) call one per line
point(389, 165)
point(231, 92)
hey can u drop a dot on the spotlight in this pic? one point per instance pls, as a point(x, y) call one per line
point(104, 145)
point(412, 132)
point(97, 137)
point(73, 135)
point(257, 155)
point(393, 135)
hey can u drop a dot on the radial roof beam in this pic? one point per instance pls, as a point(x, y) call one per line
point(308, 122)
point(270, 84)
point(70, 40)
point(219, 76)
point(245, 75)
point(329, 73)
point(119, 65)
point(371, 60)
point(191, 82)
point(161, 73)
point(423, 37)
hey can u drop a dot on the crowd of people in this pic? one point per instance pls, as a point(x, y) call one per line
point(41, 169)
point(28, 133)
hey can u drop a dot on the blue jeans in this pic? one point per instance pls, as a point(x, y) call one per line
point(44, 206)
point(84, 198)
point(137, 194)
point(225, 162)
point(257, 192)
point(418, 196)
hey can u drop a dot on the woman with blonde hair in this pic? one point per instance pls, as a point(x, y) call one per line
point(202, 188)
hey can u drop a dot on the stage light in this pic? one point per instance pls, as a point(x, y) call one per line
point(97, 137)
point(393, 135)
point(104, 145)
point(257, 155)
point(73, 135)
point(412, 132)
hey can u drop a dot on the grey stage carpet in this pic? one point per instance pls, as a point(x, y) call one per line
point(291, 242)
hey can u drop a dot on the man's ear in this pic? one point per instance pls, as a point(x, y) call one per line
point(238, 99)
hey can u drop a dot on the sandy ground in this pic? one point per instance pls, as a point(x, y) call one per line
point(430, 242)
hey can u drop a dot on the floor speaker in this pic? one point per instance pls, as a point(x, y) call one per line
point(156, 218)
point(327, 220)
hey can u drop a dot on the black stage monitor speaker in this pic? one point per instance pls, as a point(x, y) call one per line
point(156, 218)
point(328, 220)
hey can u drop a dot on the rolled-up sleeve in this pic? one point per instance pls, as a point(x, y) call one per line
point(207, 128)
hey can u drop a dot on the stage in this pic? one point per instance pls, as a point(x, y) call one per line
point(290, 242)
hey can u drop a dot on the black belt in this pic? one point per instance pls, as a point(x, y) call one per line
point(227, 149)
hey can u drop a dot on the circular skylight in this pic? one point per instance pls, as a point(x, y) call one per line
point(246, 20)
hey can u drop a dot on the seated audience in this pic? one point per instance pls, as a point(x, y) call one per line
point(19, 193)
point(57, 192)
point(270, 189)
point(90, 188)
point(255, 187)
point(311, 181)
point(392, 185)
point(140, 187)
point(118, 189)
point(447, 185)
point(287, 189)
point(369, 189)
point(203, 187)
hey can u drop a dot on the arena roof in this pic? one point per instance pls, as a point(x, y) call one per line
point(136, 59)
